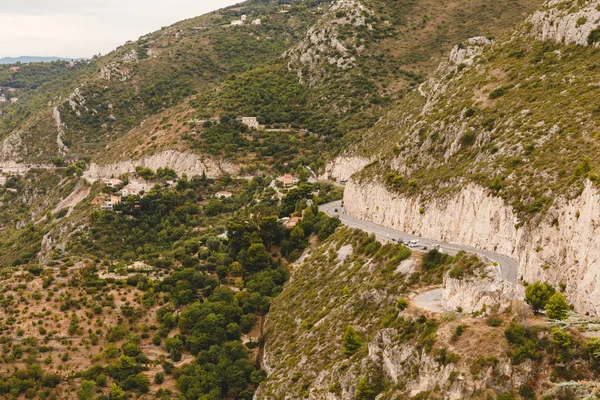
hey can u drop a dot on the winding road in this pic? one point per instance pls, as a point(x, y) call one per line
point(509, 268)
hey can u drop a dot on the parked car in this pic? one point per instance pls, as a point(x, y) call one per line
point(336, 210)
point(424, 248)
point(413, 243)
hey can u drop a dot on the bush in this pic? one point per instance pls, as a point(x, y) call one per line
point(402, 303)
point(557, 307)
point(351, 341)
point(592, 348)
point(594, 37)
point(498, 92)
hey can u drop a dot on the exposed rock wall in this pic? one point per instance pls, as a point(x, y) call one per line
point(563, 246)
point(486, 291)
point(342, 168)
point(563, 24)
point(188, 163)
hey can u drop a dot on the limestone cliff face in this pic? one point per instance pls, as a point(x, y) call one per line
point(342, 168)
point(486, 293)
point(188, 163)
point(562, 24)
point(563, 246)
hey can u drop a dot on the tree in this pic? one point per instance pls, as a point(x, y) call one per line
point(351, 341)
point(557, 307)
point(562, 341)
point(86, 390)
point(592, 348)
point(537, 295)
point(257, 258)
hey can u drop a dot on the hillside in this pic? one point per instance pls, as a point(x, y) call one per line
point(331, 68)
point(344, 329)
point(502, 140)
point(156, 245)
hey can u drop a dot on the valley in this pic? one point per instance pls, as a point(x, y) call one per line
point(318, 199)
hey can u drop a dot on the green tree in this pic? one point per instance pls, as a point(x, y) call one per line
point(116, 393)
point(257, 258)
point(592, 348)
point(562, 342)
point(537, 295)
point(351, 341)
point(557, 307)
point(86, 390)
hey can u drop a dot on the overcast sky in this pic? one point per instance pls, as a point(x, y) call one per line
point(82, 28)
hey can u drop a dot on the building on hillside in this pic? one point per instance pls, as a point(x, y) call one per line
point(15, 69)
point(14, 100)
point(237, 22)
point(224, 195)
point(293, 222)
point(2, 98)
point(113, 182)
point(2, 180)
point(250, 122)
point(257, 21)
point(244, 17)
point(115, 200)
point(134, 189)
point(288, 180)
point(106, 206)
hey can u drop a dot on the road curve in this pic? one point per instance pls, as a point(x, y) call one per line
point(509, 268)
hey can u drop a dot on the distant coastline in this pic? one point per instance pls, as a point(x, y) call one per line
point(32, 59)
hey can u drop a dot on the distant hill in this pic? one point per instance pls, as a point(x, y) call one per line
point(30, 59)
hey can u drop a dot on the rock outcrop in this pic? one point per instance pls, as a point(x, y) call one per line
point(188, 163)
point(563, 247)
point(560, 23)
point(483, 293)
point(342, 168)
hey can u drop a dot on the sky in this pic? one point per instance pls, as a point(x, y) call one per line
point(83, 28)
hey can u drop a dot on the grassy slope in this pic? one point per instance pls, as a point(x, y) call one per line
point(507, 140)
point(202, 67)
point(348, 282)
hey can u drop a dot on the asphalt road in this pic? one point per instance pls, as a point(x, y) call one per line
point(509, 268)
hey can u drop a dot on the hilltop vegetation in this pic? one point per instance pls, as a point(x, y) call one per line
point(202, 67)
point(499, 123)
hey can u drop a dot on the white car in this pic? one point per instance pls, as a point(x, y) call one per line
point(413, 243)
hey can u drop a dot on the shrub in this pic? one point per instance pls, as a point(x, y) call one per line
point(402, 303)
point(496, 93)
point(557, 307)
point(494, 321)
point(351, 341)
point(592, 348)
point(594, 37)
point(458, 332)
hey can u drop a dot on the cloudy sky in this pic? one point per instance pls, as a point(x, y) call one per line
point(82, 28)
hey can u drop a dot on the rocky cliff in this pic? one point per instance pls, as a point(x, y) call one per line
point(561, 247)
point(397, 352)
point(188, 163)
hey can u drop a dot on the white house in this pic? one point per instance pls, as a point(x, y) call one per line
point(2, 180)
point(224, 195)
point(14, 100)
point(257, 21)
point(133, 189)
point(251, 122)
point(113, 182)
point(244, 17)
point(2, 98)
point(237, 22)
